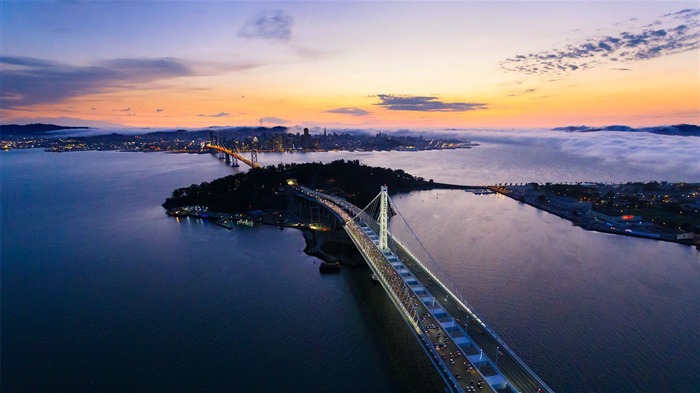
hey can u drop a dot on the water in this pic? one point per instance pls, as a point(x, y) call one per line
point(103, 292)
point(588, 311)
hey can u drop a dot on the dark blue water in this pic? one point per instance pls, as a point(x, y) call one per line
point(590, 312)
point(102, 292)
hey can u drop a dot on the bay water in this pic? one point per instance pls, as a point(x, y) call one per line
point(101, 291)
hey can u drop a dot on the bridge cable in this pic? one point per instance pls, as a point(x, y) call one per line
point(443, 276)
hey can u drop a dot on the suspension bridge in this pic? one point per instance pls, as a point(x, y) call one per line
point(468, 355)
point(230, 152)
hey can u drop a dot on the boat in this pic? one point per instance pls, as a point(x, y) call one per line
point(374, 277)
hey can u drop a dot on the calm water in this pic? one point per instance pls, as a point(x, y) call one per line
point(102, 292)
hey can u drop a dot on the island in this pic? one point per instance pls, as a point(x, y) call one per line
point(263, 188)
point(263, 196)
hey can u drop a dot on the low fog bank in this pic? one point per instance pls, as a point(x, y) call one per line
point(666, 153)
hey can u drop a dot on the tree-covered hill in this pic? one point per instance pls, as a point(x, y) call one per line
point(38, 129)
point(258, 188)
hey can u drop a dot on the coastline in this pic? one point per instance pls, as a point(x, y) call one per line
point(333, 246)
point(586, 224)
point(329, 246)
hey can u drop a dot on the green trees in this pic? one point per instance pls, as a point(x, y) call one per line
point(257, 189)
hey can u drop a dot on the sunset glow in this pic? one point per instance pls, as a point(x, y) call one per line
point(350, 64)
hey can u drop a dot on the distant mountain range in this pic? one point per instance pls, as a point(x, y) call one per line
point(33, 129)
point(678, 129)
point(40, 129)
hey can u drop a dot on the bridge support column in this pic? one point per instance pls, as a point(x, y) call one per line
point(228, 159)
point(315, 214)
point(383, 218)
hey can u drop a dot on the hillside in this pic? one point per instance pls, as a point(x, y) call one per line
point(257, 189)
point(33, 129)
point(678, 129)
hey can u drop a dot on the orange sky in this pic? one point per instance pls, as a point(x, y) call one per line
point(406, 65)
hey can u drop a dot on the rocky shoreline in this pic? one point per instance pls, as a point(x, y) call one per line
point(331, 247)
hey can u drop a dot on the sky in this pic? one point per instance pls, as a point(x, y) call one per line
point(388, 64)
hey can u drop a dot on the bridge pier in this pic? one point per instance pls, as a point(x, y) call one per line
point(310, 212)
point(315, 214)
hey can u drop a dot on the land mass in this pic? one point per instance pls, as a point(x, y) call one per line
point(38, 129)
point(246, 139)
point(656, 210)
point(678, 129)
point(663, 211)
point(262, 195)
point(263, 188)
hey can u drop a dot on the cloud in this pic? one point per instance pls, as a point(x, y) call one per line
point(350, 111)
point(662, 157)
point(671, 34)
point(28, 81)
point(521, 92)
point(268, 25)
point(220, 114)
point(424, 104)
point(274, 120)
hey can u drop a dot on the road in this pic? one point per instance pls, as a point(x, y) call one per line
point(510, 366)
point(447, 355)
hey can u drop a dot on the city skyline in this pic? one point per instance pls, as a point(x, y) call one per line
point(351, 64)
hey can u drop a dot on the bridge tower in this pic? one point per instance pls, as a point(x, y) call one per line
point(383, 218)
point(253, 158)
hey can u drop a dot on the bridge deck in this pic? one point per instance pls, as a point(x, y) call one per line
point(460, 345)
point(238, 156)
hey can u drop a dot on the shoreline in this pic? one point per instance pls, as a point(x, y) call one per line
point(334, 247)
point(569, 216)
point(315, 242)
point(329, 246)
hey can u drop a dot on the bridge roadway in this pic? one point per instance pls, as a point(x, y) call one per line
point(460, 345)
point(238, 156)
